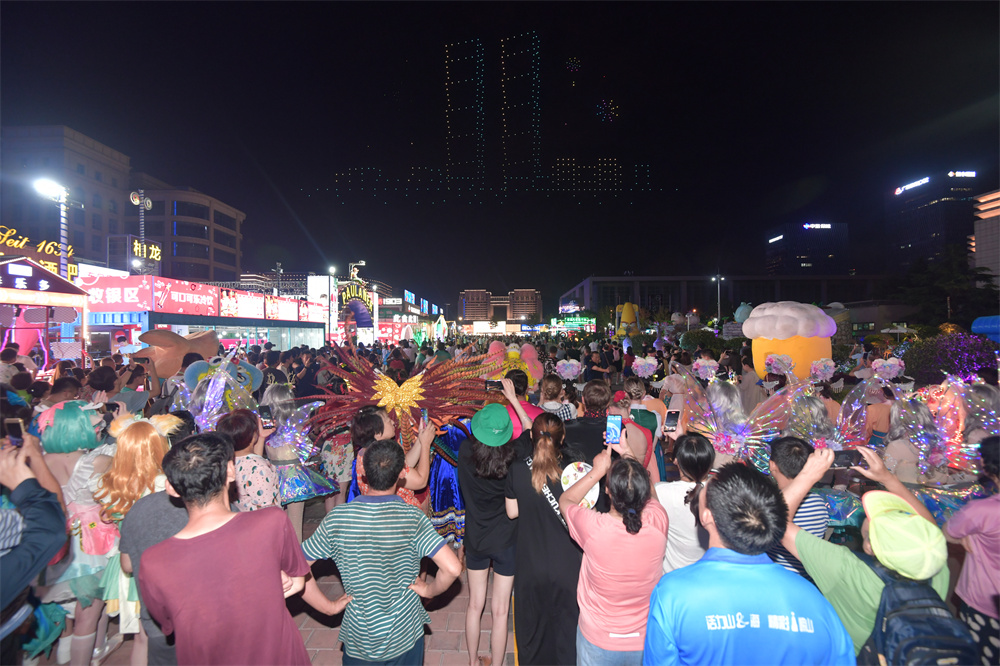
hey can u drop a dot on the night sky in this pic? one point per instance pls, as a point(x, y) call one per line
point(748, 115)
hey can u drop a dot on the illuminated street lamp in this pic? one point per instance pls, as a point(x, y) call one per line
point(718, 298)
point(332, 301)
point(58, 193)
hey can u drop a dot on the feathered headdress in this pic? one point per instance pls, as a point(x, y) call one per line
point(449, 390)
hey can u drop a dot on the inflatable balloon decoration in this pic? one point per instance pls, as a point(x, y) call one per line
point(797, 330)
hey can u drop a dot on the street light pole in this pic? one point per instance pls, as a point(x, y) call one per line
point(59, 194)
point(332, 299)
point(718, 298)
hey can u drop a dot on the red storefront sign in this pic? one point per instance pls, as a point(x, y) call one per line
point(183, 297)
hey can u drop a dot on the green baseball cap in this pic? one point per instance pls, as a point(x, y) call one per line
point(902, 539)
point(492, 426)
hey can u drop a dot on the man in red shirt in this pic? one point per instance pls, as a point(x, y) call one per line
point(219, 585)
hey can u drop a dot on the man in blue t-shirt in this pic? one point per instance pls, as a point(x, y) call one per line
point(734, 605)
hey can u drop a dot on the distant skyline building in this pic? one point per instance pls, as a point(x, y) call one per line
point(807, 248)
point(925, 215)
point(986, 243)
point(483, 305)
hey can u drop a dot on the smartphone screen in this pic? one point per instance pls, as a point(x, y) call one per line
point(847, 458)
point(15, 431)
point(670, 423)
point(613, 429)
point(494, 385)
point(266, 417)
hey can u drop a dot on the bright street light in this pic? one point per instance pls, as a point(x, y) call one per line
point(333, 270)
point(718, 298)
point(58, 193)
point(136, 263)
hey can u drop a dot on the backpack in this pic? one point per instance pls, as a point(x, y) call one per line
point(914, 625)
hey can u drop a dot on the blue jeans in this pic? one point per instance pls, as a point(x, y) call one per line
point(588, 654)
point(412, 657)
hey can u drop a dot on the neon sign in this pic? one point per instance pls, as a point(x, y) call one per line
point(776, 238)
point(910, 186)
point(961, 174)
point(10, 238)
point(356, 292)
point(816, 226)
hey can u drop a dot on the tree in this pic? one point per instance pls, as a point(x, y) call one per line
point(949, 289)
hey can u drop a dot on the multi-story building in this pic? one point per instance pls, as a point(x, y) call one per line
point(810, 248)
point(95, 176)
point(986, 243)
point(925, 215)
point(482, 305)
point(200, 234)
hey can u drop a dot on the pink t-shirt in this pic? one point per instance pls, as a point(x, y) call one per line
point(531, 410)
point(979, 583)
point(618, 574)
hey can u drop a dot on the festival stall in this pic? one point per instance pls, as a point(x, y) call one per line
point(40, 310)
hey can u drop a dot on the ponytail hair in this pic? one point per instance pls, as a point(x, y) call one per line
point(694, 457)
point(628, 485)
point(547, 433)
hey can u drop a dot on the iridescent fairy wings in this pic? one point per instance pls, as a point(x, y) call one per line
point(294, 432)
point(216, 394)
point(448, 390)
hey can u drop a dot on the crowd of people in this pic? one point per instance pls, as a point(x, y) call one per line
point(662, 544)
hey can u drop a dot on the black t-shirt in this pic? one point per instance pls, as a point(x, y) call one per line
point(586, 435)
point(271, 376)
point(306, 385)
point(488, 530)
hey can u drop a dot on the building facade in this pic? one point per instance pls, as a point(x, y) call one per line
point(95, 175)
point(986, 243)
point(810, 248)
point(925, 215)
point(483, 305)
point(200, 235)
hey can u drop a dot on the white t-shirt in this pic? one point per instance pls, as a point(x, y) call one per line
point(28, 364)
point(686, 542)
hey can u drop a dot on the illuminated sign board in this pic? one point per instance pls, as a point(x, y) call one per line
point(183, 297)
point(139, 250)
point(9, 237)
point(22, 283)
point(281, 308)
point(109, 293)
point(776, 239)
point(412, 309)
point(575, 323)
point(434, 309)
point(961, 174)
point(404, 319)
point(910, 186)
point(410, 297)
point(816, 226)
point(569, 308)
point(245, 304)
point(423, 305)
point(356, 292)
point(391, 301)
point(314, 312)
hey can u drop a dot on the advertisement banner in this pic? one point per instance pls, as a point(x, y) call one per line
point(109, 293)
point(183, 297)
point(280, 308)
point(245, 304)
point(314, 312)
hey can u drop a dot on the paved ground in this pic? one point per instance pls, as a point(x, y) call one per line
point(444, 644)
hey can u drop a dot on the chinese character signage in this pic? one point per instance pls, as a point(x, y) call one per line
point(183, 297)
point(109, 293)
point(244, 304)
point(139, 250)
point(280, 308)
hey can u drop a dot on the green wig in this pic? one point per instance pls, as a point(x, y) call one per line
point(65, 427)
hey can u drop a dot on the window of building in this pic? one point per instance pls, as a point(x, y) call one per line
point(96, 244)
point(132, 227)
point(863, 327)
point(78, 217)
point(78, 195)
point(222, 275)
point(190, 229)
point(112, 206)
point(78, 238)
point(224, 257)
point(154, 228)
point(80, 169)
point(194, 250)
point(112, 225)
point(98, 176)
point(97, 201)
point(186, 269)
point(96, 222)
point(224, 220)
point(190, 209)
point(222, 238)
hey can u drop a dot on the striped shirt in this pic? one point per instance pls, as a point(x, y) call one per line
point(813, 517)
point(377, 542)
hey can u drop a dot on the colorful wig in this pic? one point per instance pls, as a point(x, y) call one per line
point(137, 462)
point(66, 427)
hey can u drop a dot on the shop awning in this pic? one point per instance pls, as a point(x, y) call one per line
point(24, 281)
